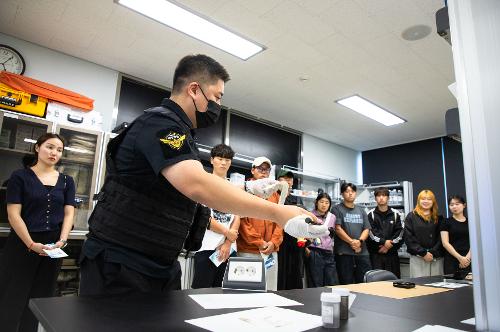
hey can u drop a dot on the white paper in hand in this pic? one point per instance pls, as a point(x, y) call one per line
point(55, 253)
point(215, 257)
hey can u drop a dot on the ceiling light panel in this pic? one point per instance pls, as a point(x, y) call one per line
point(187, 22)
point(370, 110)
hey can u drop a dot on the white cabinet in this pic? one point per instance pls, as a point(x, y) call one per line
point(80, 160)
point(18, 134)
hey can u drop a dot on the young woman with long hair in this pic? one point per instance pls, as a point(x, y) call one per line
point(40, 208)
point(455, 237)
point(422, 237)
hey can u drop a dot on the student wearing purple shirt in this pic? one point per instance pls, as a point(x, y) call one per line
point(40, 208)
point(320, 260)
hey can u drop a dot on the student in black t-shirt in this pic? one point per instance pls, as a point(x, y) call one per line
point(455, 237)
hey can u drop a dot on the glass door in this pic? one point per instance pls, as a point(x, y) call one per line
point(81, 161)
point(18, 134)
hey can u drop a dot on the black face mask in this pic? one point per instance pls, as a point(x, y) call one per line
point(210, 116)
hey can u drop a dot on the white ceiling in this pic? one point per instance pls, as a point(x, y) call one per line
point(344, 47)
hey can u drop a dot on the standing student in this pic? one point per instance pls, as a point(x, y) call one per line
point(40, 208)
point(352, 228)
point(386, 234)
point(222, 232)
point(154, 184)
point(422, 237)
point(455, 237)
point(259, 237)
point(320, 259)
point(291, 255)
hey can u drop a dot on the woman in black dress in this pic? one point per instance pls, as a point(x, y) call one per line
point(455, 237)
point(40, 208)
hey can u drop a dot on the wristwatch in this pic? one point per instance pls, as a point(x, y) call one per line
point(361, 240)
point(65, 243)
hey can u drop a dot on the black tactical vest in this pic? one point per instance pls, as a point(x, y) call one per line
point(154, 220)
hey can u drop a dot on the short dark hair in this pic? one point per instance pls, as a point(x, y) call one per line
point(199, 68)
point(384, 191)
point(42, 139)
point(456, 197)
point(222, 151)
point(320, 196)
point(346, 185)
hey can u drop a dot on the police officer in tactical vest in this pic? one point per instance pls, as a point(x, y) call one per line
point(148, 208)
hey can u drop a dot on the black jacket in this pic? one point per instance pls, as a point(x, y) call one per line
point(422, 236)
point(385, 226)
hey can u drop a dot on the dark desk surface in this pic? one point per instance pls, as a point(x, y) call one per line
point(168, 312)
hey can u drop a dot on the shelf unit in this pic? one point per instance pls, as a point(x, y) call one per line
point(309, 183)
point(403, 205)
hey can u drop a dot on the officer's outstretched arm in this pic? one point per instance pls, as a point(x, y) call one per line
point(193, 181)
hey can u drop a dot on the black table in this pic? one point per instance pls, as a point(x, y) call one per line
point(168, 312)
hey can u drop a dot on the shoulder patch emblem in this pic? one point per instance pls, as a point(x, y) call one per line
point(174, 140)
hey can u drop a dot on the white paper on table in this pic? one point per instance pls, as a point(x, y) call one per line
point(55, 253)
point(269, 319)
point(245, 300)
point(446, 284)
point(437, 328)
point(470, 321)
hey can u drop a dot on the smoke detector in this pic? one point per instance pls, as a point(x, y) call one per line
point(416, 32)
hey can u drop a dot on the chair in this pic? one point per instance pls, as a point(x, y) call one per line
point(379, 275)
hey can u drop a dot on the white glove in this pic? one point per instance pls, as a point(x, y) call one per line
point(263, 188)
point(298, 227)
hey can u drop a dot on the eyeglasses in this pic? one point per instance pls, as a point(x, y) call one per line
point(263, 169)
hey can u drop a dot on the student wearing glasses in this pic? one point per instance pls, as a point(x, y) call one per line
point(260, 237)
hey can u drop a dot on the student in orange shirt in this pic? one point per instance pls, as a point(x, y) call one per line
point(258, 237)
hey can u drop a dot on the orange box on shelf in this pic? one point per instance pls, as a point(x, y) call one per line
point(22, 102)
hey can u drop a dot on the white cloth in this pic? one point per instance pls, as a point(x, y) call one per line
point(421, 268)
point(297, 227)
point(212, 240)
point(271, 273)
point(264, 187)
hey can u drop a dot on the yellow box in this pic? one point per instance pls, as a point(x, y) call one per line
point(22, 102)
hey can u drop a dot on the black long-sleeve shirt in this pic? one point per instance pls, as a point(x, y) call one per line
point(422, 236)
point(385, 226)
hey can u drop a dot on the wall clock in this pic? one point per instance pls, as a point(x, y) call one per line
point(11, 60)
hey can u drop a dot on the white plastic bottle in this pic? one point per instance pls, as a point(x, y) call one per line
point(330, 310)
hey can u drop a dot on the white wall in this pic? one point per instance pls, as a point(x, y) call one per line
point(331, 159)
point(83, 77)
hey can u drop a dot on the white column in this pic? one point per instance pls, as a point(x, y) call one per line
point(475, 32)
